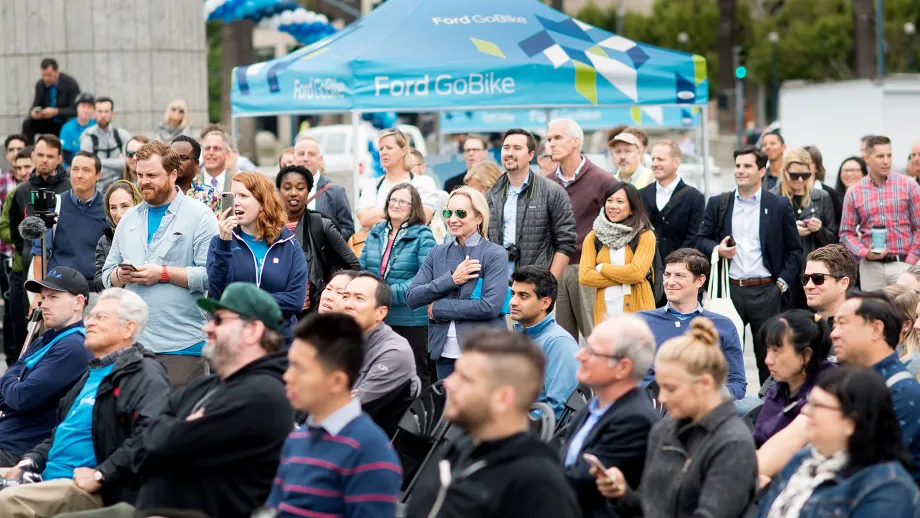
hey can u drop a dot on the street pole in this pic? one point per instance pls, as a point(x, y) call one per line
point(774, 79)
point(880, 38)
point(911, 30)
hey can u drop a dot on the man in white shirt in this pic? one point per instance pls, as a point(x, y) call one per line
point(326, 197)
point(217, 149)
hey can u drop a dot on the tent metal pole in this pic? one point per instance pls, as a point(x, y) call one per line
point(234, 128)
point(704, 129)
point(357, 153)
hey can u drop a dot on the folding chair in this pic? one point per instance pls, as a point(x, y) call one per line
point(578, 400)
point(544, 425)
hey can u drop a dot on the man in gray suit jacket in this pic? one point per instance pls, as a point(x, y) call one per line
point(326, 196)
point(218, 150)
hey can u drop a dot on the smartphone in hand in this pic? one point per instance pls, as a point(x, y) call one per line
point(128, 266)
point(227, 199)
point(594, 461)
point(730, 242)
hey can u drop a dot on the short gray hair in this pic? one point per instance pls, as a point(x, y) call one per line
point(572, 129)
point(634, 340)
point(223, 135)
point(131, 308)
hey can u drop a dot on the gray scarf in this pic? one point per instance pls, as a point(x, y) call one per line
point(612, 235)
point(813, 472)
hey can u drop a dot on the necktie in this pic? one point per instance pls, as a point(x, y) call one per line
point(214, 182)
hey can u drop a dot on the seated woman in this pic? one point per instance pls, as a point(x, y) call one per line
point(254, 246)
point(855, 463)
point(612, 261)
point(798, 343)
point(905, 301)
point(700, 459)
point(463, 281)
point(395, 249)
point(119, 198)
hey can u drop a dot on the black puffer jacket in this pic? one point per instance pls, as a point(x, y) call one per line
point(102, 252)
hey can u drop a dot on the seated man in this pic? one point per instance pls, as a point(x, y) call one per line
point(87, 461)
point(32, 388)
point(533, 295)
point(685, 272)
point(388, 382)
point(615, 425)
point(364, 477)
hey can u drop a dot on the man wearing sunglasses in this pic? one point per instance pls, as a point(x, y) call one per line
point(829, 272)
point(106, 141)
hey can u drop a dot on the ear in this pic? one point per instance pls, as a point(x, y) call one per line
point(130, 328)
point(700, 281)
point(545, 303)
point(807, 354)
point(382, 312)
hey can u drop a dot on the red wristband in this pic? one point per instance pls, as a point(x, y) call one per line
point(165, 276)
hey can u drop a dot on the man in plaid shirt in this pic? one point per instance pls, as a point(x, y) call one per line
point(882, 199)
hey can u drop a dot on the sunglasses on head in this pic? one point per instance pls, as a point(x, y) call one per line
point(799, 176)
point(816, 278)
point(461, 213)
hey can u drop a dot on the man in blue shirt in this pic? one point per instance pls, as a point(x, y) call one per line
point(533, 294)
point(73, 129)
point(685, 272)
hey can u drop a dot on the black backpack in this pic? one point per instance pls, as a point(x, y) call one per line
point(108, 152)
point(314, 247)
point(655, 274)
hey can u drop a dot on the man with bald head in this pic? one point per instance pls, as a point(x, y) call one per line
point(325, 196)
point(615, 425)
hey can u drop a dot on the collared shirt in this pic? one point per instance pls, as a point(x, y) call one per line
point(565, 181)
point(641, 177)
point(683, 316)
point(663, 194)
point(217, 182)
point(312, 193)
point(451, 344)
point(905, 397)
point(336, 421)
point(595, 412)
point(83, 204)
point(894, 204)
point(748, 261)
point(509, 213)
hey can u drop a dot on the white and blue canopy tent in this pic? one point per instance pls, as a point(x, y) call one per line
point(445, 55)
point(588, 118)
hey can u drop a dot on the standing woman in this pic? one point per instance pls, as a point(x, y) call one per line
point(812, 208)
point(119, 198)
point(609, 261)
point(175, 122)
point(323, 246)
point(855, 464)
point(395, 249)
point(817, 167)
point(463, 281)
point(700, 458)
point(905, 301)
point(254, 246)
point(851, 171)
point(130, 173)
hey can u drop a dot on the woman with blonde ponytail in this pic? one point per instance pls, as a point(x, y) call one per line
point(700, 459)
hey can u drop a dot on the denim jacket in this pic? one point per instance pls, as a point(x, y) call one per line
point(880, 491)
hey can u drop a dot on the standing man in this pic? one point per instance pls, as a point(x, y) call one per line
point(218, 158)
point(73, 129)
point(106, 141)
point(585, 183)
point(416, 162)
point(887, 204)
point(189, 152)
point(325, 196)
point(475, 151)
point(674, 208)
point(829, 272)
point(13, 144)
point(755, 230)
point(366, 477)
point(489, 396)
point(775, 147)
point(548, 166)
point(533, 294)
point(626, 150)
point(529, 214)
point(163, 245)
point(54, 102)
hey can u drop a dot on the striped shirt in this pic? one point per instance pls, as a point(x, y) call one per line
point(894, 204)
point(343, 466)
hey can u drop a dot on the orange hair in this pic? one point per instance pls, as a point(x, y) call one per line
point(272, 217)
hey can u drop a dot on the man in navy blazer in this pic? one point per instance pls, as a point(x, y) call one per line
point(326, 196)
point(755, 230)
point(615, 425)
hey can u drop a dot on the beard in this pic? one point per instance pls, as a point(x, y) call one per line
point(218, 353)
point(471, 417)
point(159, 196)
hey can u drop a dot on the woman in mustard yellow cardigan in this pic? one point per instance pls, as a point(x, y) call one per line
point(608, 262)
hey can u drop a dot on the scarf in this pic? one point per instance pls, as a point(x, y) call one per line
point(613, 235)
point(813, 472)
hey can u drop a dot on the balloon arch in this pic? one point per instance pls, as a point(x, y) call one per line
point(282, 15)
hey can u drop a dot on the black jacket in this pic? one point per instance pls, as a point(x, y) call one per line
point(67, 93)
point(324, 251)
point(514, 477)
point(676, 225)
point(620, 438)
point(222, 463)
point(59, 182)
point(102, 252)
point(126, 401)
point(454, 181)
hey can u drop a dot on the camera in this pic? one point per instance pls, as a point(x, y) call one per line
point(512, 251)
point(44, 202)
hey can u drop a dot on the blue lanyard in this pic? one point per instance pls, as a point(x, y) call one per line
point(37, 356)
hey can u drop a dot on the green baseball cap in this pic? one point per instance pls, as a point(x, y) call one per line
point(248, 301)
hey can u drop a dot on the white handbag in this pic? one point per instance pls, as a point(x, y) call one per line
point(719, 299)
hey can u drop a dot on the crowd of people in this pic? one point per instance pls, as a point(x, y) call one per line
point(218, 344)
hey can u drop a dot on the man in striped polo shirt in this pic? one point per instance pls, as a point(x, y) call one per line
point(339, 463)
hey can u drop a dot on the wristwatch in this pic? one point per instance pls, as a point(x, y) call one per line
point(97, 476)
point(782, 285)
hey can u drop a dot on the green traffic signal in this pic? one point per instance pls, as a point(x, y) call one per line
point(740, 72)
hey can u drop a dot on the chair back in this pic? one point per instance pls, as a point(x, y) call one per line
point(543, 424)
point(577, 400)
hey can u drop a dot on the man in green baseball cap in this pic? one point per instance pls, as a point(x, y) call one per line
point(249, 302)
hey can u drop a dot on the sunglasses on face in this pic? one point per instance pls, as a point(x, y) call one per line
point(461, 213)
point(130, 153)
point(816, 278)
point(799, 176)
point(177, 110)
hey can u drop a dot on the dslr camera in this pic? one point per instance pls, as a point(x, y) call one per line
point(512, 251)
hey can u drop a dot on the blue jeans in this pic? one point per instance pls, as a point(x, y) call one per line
point(444, 367)
point(745, 405)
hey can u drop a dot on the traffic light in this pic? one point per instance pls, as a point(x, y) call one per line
point(740, 62)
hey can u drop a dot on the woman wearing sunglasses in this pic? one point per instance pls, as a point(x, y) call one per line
point(175, 122)
point(463, 282)
point(130, 173)
point(855, 461)
point(395, 249)
point(812, 208)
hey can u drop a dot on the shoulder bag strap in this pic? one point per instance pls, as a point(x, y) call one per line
point(324, 189)
point(713, 269)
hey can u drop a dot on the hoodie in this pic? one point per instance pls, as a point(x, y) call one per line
point(221, 461)
point(59, 183)
point(513, 477)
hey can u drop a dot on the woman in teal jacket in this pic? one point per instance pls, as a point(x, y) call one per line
point(395, 249)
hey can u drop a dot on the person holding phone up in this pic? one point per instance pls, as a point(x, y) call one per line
point(254, 246)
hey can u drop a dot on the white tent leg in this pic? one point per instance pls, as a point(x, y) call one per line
point(704, 129)
point(357, 153)
point(234, 128)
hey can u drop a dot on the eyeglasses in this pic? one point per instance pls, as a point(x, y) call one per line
point(476, 150)
point(799, 176)
point(809, 402)
point(399, 203)
point(461, 213)
point(593, 352)
point(546, 157)
point(816, 278)
point(850, 170)
point(177, 110)
point(130, 153)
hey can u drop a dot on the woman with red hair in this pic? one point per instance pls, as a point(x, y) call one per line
point(254, 246)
